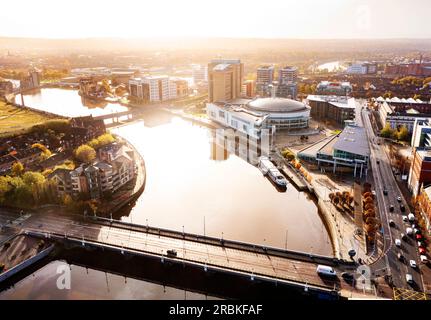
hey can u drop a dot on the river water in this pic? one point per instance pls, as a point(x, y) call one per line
point(194, 184)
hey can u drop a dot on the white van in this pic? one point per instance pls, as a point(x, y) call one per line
point(325, 271)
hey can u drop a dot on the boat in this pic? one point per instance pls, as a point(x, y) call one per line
point(268, 168)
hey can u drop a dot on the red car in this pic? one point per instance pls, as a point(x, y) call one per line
point(419, 237)
point(422, 250)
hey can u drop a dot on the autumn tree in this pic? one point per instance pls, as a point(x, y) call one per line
point(17, 168)
point(85, 153)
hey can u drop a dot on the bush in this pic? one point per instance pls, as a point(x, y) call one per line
point(85, 153)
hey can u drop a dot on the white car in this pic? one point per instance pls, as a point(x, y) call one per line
point(405, 219)
point(413, 264)
point(424, 258)
point(409, 278)
point(411, 217)
point(409, 231)
point(398, 242)
point(399, 199)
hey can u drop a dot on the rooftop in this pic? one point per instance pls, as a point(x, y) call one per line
point(353, 139)
point(338, 101)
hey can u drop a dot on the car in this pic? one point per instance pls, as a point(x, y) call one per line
point(385, 192)
point(409, 231)
point(171, 252)
point(419, 237)
point(416, 231)
point(347, 276)
point(392, 223)
point(328, 271)
point(400, 256)
point(391, 208)
point(423, 258)
point(399, 199)
point(411, 217)
point(398, 242)
point(420, 244)
point(413, 264)
point(409, 278)
point(422, 251)
point(403, 237)
point(373, 192)
point(405, 219)
point(378, 161)
point(403, 209)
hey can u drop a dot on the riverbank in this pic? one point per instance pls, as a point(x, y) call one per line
point(15, 119)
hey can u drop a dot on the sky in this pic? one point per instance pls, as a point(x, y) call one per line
point(309, 19)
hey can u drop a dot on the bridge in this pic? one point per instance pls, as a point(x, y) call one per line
point(274, 266)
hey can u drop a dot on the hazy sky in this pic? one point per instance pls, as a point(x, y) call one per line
point(216, 18)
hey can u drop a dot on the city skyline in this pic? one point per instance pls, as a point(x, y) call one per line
point(334, 19)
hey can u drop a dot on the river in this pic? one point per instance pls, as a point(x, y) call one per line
point(194, 186)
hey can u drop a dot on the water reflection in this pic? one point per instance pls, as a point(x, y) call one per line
point(91, 284)
point(67, 103)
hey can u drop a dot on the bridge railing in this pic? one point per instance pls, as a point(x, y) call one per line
point(232, 244)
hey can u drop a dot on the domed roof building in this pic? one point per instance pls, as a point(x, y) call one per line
point(283, 113)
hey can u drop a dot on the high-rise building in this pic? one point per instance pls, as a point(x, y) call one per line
point(287, 82)
point(264, 78)
point(225, 79)
point(200, 74)
point(247, 89)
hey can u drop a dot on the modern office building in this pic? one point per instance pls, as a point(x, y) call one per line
point(139, 90)
point(287, 82)
point(334, 88)
point(420, 170)
point(247, 89)
point(199, 74)
point(264, 78)
point(332, 108)
point(349, 149)
point(421, 134)
point(225, 79)
point(157, 86)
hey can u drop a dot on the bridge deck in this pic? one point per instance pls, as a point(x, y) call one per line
point(257, 263)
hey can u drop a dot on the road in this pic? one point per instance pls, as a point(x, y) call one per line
point(206, 254)
point(384, 179)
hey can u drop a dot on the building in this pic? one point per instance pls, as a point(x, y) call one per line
point(421, 134)
point(333, 108)
point(409, 69)
point(251, 115)
point(32, 81)
point(199, 74)
point(225, 79)
point(114, 168)
point(178, 88)
point(138, 90)
point(287, 82)
point(420, 170)
point(349, 150)
point(334, 88)
point(424, 201)
point(264, 78)
point(362, 68)
point(247, 89)
point(6, 87)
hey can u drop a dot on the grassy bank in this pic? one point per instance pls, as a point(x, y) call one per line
point(14, 120)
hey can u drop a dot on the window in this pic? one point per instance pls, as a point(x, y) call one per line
point(212, 114)
point(234, 124)
point(221, 114)
point(244, 127)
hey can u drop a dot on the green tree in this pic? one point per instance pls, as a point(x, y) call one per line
point(387, 131)
point(403, 133)
point(17, 168)
point(85, 153)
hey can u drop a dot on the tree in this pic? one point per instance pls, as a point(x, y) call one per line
point(387, 131)
point(105, 139)
point(85, 153)
point(403, 133)
point(287, 154)
point(31, 178)
point(46, 153)
point(17, 168)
